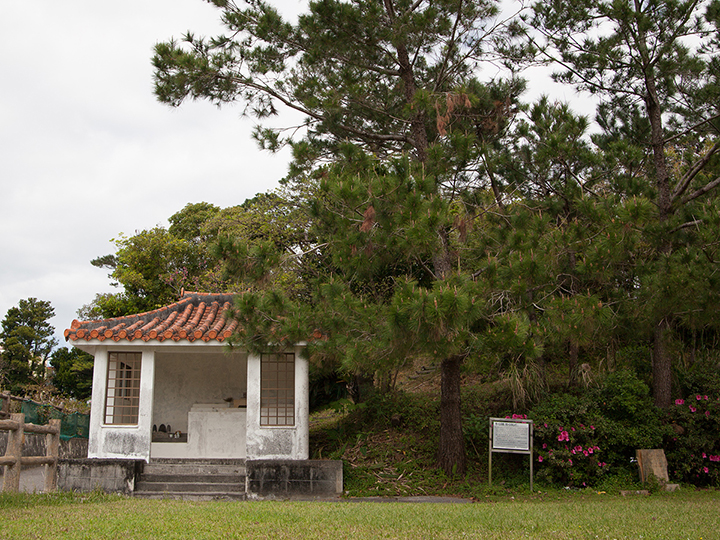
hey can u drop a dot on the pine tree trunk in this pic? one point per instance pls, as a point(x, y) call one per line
point(661, 366)
point(574, 349)
point(662, 363)
point(451, 454)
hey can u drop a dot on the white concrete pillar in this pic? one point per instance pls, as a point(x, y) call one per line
point(301, 446)
point(278, 442)
point(145, 414)
point(252, 419)
point(97, 409)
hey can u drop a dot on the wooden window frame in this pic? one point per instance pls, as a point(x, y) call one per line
point(277, 390)
point(122, 389)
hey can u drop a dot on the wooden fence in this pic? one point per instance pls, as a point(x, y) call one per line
point(14, 460)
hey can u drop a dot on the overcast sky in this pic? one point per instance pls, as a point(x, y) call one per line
point(87, 153)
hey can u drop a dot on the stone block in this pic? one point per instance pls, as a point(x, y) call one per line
point(652, 463)
point(288, 478)
point(109, 475)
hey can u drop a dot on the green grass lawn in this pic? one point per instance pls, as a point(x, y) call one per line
point(688, 514)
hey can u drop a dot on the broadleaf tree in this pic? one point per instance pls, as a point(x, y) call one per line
point(393, 128)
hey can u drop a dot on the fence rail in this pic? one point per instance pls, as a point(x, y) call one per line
point(14, 460)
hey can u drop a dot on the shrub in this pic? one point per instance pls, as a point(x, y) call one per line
point(566, 442)
point(628, 418)
point(693, 448)
point(581, 438)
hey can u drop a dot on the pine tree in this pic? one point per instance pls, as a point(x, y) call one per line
point(394, 122)
point(27, 341)
point(654, 64)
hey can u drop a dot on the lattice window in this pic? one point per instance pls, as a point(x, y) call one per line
point(277, 393)
point(122, 402)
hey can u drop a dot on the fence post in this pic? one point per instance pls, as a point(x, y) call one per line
point(11, 481)
point(52, 449)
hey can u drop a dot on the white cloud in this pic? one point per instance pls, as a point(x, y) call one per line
point(86, 152)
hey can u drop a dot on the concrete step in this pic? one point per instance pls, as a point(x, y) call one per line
point(192, 496)
point(192, 487)
point(202, 478)
point(192, 479)
point(198, 461)
point(198, 467)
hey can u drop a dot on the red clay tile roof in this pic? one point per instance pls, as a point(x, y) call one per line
point(196, 316)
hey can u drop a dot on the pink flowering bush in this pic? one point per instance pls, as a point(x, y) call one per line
point(579, 439)
point(568, 454)
point(693, 447)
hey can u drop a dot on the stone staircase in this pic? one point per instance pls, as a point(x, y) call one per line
point(192, 479)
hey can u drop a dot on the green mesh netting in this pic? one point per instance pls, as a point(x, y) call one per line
point(71, 425)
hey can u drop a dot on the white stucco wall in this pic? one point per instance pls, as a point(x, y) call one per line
point(272, 442)
point(123, 442)
point(175, 377)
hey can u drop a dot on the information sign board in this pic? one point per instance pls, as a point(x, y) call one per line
point(512, 436)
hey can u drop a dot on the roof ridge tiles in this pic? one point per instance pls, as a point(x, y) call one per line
point(194, 316)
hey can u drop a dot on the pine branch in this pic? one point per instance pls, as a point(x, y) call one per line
point(692, 173)
point(702, 191)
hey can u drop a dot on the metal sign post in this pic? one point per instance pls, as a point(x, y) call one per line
point(511, 436)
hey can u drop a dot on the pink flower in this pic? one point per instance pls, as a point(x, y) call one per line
point(592, 427)
point(540, 460)
point(707, 414)
point(698, 397)
point(590, 450)
point(572, 428)
point(704, 455)
point(585, 452)
point(705, 397)
point(679, 402)
point(544, 446)
point(706, 470)
point(692, 409)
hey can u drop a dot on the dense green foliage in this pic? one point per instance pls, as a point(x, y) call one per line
point(448, 221)
point(73, 372)
point(200, 251)
point(581, 438)
point(584, 438)
point(27, 341)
